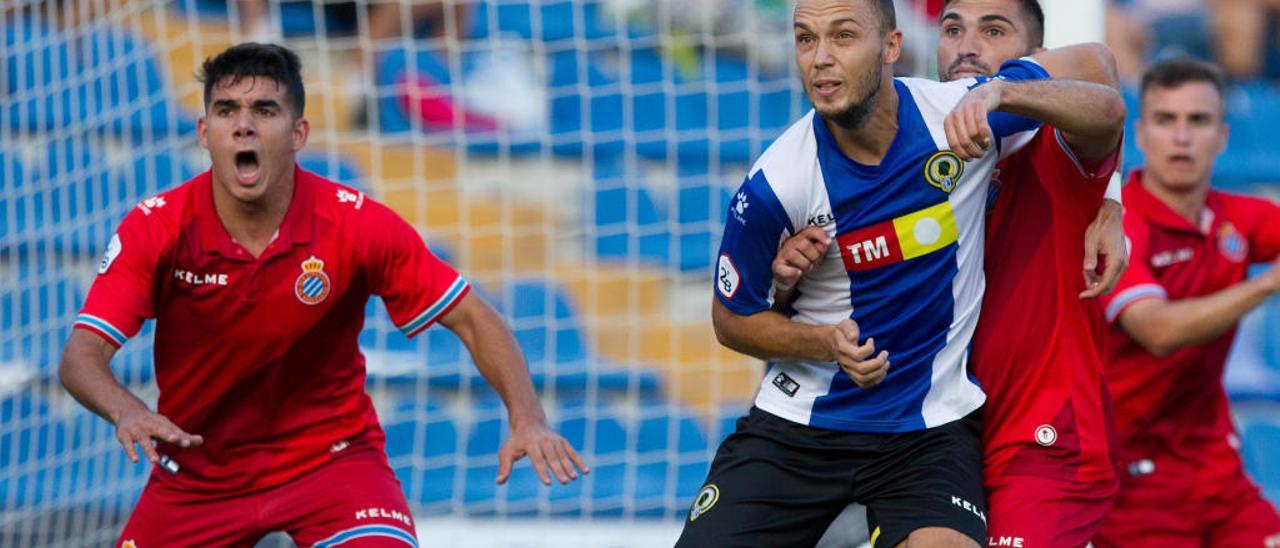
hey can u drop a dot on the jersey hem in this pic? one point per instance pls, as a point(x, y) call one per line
point(102, 328)
point(825, 422)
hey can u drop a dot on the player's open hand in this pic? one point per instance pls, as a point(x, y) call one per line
point(1104, 245)
point(546, 449)
point(857, 360)
point(968, 133)
point(799, 255)
point(145, 427)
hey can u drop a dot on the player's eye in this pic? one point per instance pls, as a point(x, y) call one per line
point(845, 35)
point(266, 112)
point(995, 32)
point(951, 31)
point(804, 38)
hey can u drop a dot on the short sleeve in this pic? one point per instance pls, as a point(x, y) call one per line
point(1138, 281)
point(1008, 127)
point(754, 230)
point(121, 297)
point(417, 287)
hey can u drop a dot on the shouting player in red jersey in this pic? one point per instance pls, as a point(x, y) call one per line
point(1174, 315)
point(1049, 472)
point(257, 274)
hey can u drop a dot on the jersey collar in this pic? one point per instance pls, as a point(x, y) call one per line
point(1156, 211)
point(294, 229)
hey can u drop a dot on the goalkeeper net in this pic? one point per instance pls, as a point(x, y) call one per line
point(573, 158)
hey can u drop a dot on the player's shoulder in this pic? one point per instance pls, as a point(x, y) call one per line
point(932, 98)
point(789, 166)
point(1242, 203)
point(166, 210)
point(341, 203)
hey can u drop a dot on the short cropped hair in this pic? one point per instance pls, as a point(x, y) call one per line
point(250, 60)
point(1176, 71)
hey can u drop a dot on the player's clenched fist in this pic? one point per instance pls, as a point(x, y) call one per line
point(855, 359)
point(968, 132)
point(141, 426)
point(799, 255)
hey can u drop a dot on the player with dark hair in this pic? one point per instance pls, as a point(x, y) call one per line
point(895, 171)
point(1048, 467)
point(1173, 318)
point(257, 274)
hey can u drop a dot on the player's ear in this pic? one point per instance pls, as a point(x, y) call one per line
point(301, 129)
point(202, 130)
point(892, 46)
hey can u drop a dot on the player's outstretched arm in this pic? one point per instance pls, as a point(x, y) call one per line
point(1164, 327)
point(85, 372)
point(498, 357)
point(769, 335)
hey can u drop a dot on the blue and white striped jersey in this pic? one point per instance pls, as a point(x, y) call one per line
point(905, 264)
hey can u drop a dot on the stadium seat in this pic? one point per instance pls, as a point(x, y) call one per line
point(673, 454)
point(334, 167)
point(37, 309)
point(1261, 452)
point(422, 441)
point(33, 439)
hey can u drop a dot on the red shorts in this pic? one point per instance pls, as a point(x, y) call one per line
point(1170, 502)
point(1033, 512)
point(355, 500)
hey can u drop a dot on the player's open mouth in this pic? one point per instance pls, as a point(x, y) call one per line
point(1181, 159)
point(826, 88)
point(247, 167)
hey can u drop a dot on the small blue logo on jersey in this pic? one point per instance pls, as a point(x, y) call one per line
point(943, 170)
point(1233, 246)
point(312, 286)
point(739, 207)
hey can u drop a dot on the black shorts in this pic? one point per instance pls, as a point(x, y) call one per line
point(777, 483)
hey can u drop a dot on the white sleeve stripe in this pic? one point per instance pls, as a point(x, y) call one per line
point(432, 312)
point(102, 326)
point(1135, 293)
point(1062, 143)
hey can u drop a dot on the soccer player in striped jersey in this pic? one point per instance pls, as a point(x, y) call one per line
point(1173, 317)
point(896, 172)
point(1049, 460)
point(257, 274)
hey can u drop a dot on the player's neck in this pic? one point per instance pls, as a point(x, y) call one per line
point(869, 143)
point(254, 224)
point(1187, 202)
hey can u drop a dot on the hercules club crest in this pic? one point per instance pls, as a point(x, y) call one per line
point(943, 170)
point(313, 284)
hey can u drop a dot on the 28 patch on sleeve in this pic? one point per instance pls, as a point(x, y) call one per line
point(727, 278)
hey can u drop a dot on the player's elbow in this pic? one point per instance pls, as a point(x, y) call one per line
point(1157, 340)
point(1103, 61)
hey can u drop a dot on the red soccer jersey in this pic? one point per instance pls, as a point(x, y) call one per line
point(1172, 404)
point(1037, 349)
point(260, 356)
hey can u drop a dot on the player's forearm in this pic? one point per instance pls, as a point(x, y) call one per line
point(1166, 327)
point(769, 335)
point(85, 372)
point(1090, 116)
point(498, 358)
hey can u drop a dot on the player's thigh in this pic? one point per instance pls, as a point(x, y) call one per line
point(1043, 512)
point(1252, 522)
point(165, 520)
point(352, 502)
point(928, 479)
point(762, 491)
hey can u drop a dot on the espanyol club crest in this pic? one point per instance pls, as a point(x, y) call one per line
point(943, 170)
point(1232, 245)
point(312, 286)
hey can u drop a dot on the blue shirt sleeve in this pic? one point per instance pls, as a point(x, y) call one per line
point(1004, 124)
point(755, 227)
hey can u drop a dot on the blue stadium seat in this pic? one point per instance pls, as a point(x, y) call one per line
point(31, 437)
point(1261, 452)
point(436, 441)
point(36, 313)
point(663, 436)
point(334, 167)
point(106, 79)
